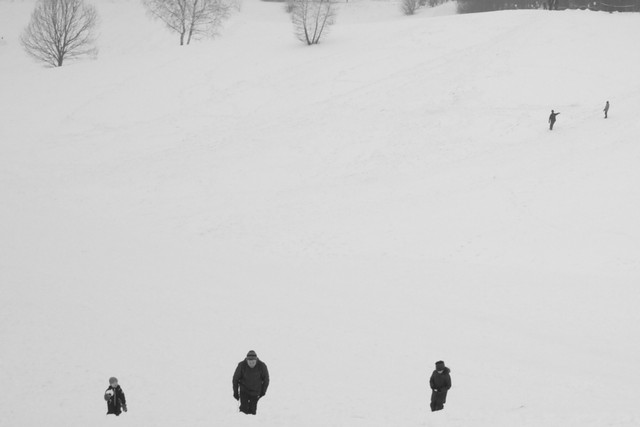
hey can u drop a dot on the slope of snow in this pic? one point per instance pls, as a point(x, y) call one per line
point(353, 211)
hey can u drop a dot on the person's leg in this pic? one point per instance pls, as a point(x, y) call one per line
point(437, 401)
point(253, 405)
point(244, 403)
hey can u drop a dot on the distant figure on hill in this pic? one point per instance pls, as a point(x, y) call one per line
point(606, 110)
point(250, 382)
point(440, 383)
point(116, 402)
point(552, 119)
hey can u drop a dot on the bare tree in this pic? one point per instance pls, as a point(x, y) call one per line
point(409, 7)
point(190, 18)
point(59, 30)
point(311, 19)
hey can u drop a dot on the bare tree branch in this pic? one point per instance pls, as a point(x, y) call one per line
point(409, 7)
point(190, 18)
point(311, 19)
point(59, 30)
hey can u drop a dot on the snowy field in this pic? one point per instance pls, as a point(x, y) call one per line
point(353, 211)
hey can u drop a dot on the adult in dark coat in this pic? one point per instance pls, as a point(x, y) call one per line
point(606, 110)
point(250, 382)
point(440, 383)
point(116, 402)
point(552, 119)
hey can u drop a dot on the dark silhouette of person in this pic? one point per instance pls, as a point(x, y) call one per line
point(250, 382)
point(440, 383)
point(606, 110)
point(116, 401)
point(552, 119)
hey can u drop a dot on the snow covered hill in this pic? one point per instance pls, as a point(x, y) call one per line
point(353, 211)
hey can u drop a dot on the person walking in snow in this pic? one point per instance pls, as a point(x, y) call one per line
point(116, 402)
point(606, 110)
point(552, 119)
point(440, 383)
point(250, 382)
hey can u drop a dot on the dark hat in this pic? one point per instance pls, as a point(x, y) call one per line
point(439, 365)
point(252, 355)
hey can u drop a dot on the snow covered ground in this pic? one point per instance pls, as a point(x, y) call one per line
point(353, 211)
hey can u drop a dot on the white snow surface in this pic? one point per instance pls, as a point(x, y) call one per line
point(353, 211)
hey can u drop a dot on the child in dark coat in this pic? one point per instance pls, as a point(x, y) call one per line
point(440, 383)
point(116, 402)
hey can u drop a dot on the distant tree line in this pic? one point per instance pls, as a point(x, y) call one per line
point(472, 6)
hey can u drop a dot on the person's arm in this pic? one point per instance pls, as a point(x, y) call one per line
point(123, 401)
point(447, 384)
point(236, 380)
point(265, 380)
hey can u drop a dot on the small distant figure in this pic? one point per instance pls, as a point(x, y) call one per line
point(250, 383)
point(440, 383)
point(552, 119)
point(116, 402)
point(606, 110)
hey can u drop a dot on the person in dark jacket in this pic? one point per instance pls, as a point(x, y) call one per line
point(250, 382)
point(440, 383)
point(606, 109)
point(116, 402)
point(552, 119)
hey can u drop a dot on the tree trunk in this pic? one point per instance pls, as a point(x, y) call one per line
point(190, 34)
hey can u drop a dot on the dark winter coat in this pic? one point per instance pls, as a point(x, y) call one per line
point(552, 117)
point(251, 381)
point(117, 401)
point(440, 384)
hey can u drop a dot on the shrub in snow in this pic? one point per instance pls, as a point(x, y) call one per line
point(312, 18)
point(409, 7)
point(190, 18)
point(289, 6)
point(59, 30)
